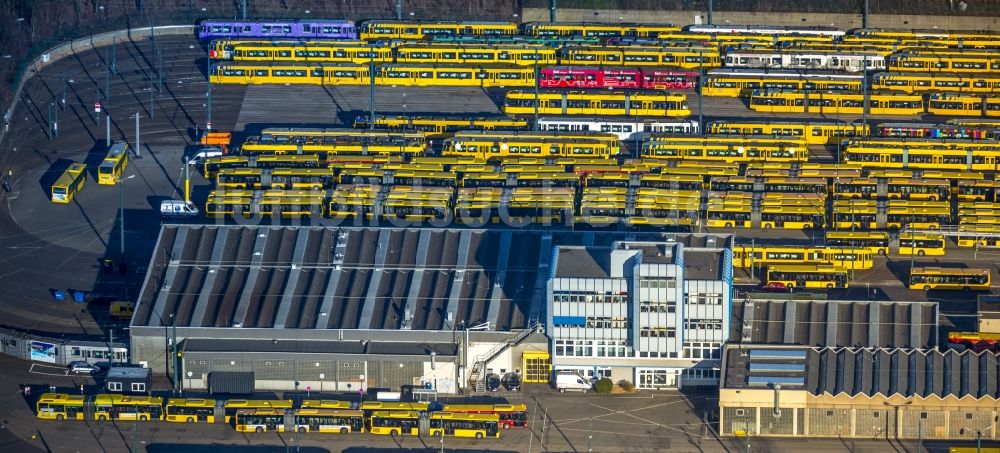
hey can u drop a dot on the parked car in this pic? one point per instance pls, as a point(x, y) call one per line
point(81, 367)
point(178, 209)
point(198, 157)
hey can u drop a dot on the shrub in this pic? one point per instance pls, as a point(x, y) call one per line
point(603, 386)
point(626, 385)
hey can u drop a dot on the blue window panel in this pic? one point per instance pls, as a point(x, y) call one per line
point(578, 321)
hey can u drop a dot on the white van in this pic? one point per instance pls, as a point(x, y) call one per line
point(571, 380)
point(198, 157)
point(178, 208)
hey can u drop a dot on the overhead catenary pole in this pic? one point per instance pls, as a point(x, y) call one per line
point(399, 10)
point(137, 142)
point(208, 94)
point(371, 91)
point(552, 12)
point(244, 9)
point(537, 101)
point(864, 16)
point(709, 15)
point(107, 130)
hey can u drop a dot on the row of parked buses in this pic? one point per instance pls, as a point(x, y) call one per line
point(882, 103)
point(676, 54)
point(919, 278)
point(744, 82)
point(320, 416)
point(426, 30)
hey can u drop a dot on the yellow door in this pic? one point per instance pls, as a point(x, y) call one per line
point(537, 366)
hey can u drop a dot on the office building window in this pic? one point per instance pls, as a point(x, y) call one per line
point(697, 350)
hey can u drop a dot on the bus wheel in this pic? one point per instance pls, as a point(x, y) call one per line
point(881, 252)
point(920, 253)
point(302, 429)
point(142, 418)
point(965, 288)
point(790, 286)
point(729, 224)
point(344, 431)
point(59, 417)
point(829, 286)
point(439, 434)
point(505, 426)
point(394, 433)
point(190, 420)
point(259, 429)
point(927, 288)
point(479, 435)
point(102, 417)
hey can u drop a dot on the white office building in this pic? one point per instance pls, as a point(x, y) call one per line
point(653, 313)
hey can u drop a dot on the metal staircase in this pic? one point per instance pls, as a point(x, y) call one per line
point(477, 377)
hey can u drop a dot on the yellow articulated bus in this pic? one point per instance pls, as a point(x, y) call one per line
point(214, 164)
point(961, 104)
point(814, 133)
point(356, 52)
point(111, 168)
point(437, 127)
point(918, 214)
point(190, 410)
point(728, 212)
point(831, 102)
point(806, 276)
point(854, 188)
point(875, 241)
point(965, 279)
point(743, 82)
point(921, 244)
point(792, 217)
point(919, 189)
point(543, 206)
point(246, 73)
point(478, 426)
point(389, 29)
point(926, 83)
point(485, 145)
point(718, 151)
point(968, 62)
point(59, 406)
point(69, 183)
point(504, 54)
point(393, 422)
point(454, 75)
point(978, 236)
point(850, 214)
point(923, 156)
point(681, 57)
point(597, 103)
point(598, 30)
point(343, 421)
point(259, 420)
point(988, 191)
point(796, 185)
point(354, 201)
point(119, 407)
point(859, 258)
point(325, 404)
point(229, 203)
point(232, 406)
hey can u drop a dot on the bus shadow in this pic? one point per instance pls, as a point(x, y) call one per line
point(50, 176)
point(95, 155)
point(901, 268)
point(228, 448)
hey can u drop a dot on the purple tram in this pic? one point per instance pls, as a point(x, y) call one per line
point(276, 28)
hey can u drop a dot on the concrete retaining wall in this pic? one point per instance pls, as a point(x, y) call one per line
point(841, 21)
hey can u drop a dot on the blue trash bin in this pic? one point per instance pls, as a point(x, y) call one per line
point(59, 295)
point(79, 297)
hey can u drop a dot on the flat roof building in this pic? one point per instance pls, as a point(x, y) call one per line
point(651, 312)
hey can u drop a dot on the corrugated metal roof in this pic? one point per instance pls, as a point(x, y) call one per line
point(815, 323)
